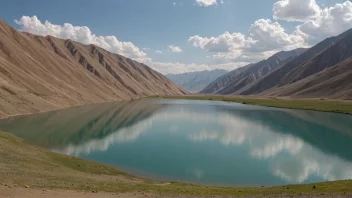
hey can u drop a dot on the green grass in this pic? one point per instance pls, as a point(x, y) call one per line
point(336, 106)
point(23, 165)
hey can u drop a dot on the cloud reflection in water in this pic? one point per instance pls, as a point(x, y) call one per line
point(289, 157)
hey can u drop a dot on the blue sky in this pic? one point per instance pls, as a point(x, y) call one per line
point(152, 25)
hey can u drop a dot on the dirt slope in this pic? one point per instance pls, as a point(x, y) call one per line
point(275, 78)
point(259, 70)
point(332, 82)
point(315, 78)
point(223, 80)
point(44, 73)
point(196, 81)
point(332, 56)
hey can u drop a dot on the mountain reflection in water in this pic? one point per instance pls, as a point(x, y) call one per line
point(199, 141)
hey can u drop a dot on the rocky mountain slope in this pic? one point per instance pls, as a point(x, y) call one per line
point(196, 81)
point(332, 82)
point(256, 71)
point(308, 63)
point(223, 81)
point(321, 71)
point(44, 73)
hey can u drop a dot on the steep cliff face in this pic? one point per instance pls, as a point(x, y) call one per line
point(44, 73)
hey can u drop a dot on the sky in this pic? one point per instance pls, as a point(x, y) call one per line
point(177, 36)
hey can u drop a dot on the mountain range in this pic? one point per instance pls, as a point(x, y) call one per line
point(323, 70)
point(196, 81)
point(44, 73)
point(241, 77)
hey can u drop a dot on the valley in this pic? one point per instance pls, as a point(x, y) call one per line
point(162, 100)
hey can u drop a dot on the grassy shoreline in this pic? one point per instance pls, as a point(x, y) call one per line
point(23, 165)
point(335, 106)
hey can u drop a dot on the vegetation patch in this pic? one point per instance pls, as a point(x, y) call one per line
point(336, 106)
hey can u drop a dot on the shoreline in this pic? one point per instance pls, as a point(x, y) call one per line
point(64, 172)
point(44, 169)
point(311, 104)
point(73, 106)
point(339, 108)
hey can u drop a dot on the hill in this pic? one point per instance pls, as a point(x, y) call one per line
point(325, 54)
point(196, 81)
point(256, 71)
point(332, 82)
point(44, 73)
point(223, 81)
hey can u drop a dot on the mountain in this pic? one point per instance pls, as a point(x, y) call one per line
point(326, 53)
point(223, 80)
point(92, 122)
point(44, 73)
point(249, 74)
point(196, 81)
point(332, 82)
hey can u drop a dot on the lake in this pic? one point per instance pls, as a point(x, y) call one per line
point(206, 142)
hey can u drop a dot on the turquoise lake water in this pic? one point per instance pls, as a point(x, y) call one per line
point(206, 142)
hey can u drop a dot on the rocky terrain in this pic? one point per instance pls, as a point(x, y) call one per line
point(333, 82)
point(290, 72)
point(223, 80)
point(321, 71)
point(196, 81)
point(45, 73)
point(252, 73)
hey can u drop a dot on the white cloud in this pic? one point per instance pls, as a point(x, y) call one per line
point(158, 52)
point(270, 35)
point(244, 56)
point(84, 35)
point(226, 42)
point(207, 3)
point(81, 34)
point(296, 10)
point(178, 68)
point(265, 38)
point(227, 56)
point(175, 49)
point(331, 21)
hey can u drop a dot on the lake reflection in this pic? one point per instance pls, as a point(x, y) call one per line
point(206, 142)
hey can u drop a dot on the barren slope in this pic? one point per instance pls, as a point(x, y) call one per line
point(223, 80)
point(196, 81)
point(44, 73)
point(333, 82)
point(259, 70)
point(332, 56)
point(305, 80)
point(278, 77)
